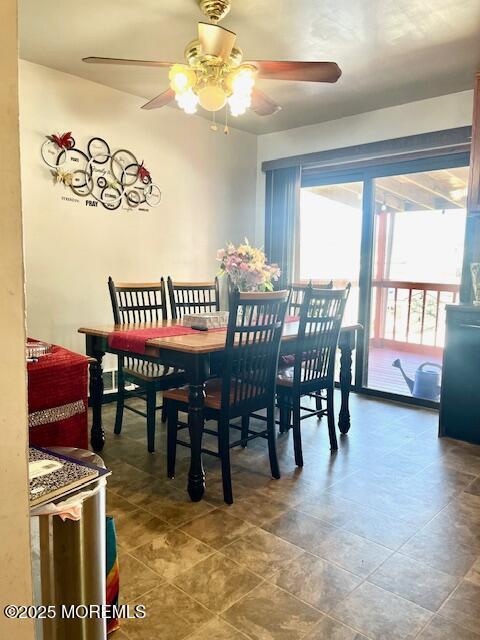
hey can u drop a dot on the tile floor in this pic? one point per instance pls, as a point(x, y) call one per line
point(380, 541)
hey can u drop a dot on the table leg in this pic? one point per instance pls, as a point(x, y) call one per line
point(196, 403)
point(346, 347)
point(97, 434)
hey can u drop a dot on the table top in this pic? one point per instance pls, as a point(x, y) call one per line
point(200, 342)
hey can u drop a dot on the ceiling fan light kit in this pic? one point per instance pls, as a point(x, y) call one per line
point(214, 74)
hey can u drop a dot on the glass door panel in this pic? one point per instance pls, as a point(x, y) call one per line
point(328, 238)
point(419, 236)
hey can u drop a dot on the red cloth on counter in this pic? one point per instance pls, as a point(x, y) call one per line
point(58, 381)
point(72, 432)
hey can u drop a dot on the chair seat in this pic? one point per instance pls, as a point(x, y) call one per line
point(213, 394)
point(148, 371)
point(285, 376)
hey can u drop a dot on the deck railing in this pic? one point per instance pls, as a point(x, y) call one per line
point(411, 313)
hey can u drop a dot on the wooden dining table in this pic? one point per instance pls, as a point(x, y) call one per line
point(195, 353)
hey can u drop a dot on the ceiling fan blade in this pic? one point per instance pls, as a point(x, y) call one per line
point(133, 63)
point(161, 100)
point(301, 71)
point(262, 104)
point(215, 40)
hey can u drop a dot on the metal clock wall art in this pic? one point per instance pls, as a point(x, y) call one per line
point(116, 181)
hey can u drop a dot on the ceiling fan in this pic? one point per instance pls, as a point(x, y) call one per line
point(214, 73)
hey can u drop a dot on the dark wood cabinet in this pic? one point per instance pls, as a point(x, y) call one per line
point(472, 230)
point(474, 178)
point(460, 399)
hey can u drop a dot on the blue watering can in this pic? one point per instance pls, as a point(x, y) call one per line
point(427, 380)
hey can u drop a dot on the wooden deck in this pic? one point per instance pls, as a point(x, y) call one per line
point(381, 374)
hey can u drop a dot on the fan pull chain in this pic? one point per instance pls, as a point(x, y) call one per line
point(225, 129)
point(213, 126)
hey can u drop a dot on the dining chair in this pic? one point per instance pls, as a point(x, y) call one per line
point(321, 316)
point(296, 301)
point(298, 293)
point(134, 302)
point(193, 297)
point(249, 370)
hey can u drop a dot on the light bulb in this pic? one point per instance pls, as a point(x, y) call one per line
point(239, 103)
point(241, 80)
point(182, 78)
point(188, 101)
point(212, 97)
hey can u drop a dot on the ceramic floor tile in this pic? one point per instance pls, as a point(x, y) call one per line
point(117, 506)
point(135, 578)
point(380, 527)
point(414, 581)
point(268, 613)
point(394, 503)
point(381, 615)
point(330, 508)
point(291, 490)
point(217, 528)
point(457, 524)
point(441, 551)
point(352, 552)
point(474, 487)
point(329, 629)
point(256, 508)
point(137, 528)
point(171, 553)
point(440, 477)
point(474, 574)
point(441, 629)
point(261, 552)
point(129, 482)
point(316, 582)
point(463, 606)
point(217, 629)
point(463, 458)
point(217, 582)
point(214, 491)
point(171, 505)
point(299, 529)
point(170, 613)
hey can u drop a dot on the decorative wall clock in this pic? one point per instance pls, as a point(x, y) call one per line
point(113, 179)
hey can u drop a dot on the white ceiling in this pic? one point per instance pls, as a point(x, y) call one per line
point(390, 51)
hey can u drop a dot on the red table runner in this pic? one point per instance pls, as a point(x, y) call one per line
point(57, 399)
point(134, 340)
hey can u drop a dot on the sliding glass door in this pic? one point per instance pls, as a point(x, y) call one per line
point(419, 235)
point(396, 232)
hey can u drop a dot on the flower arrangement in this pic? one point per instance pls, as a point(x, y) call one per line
point(247, 267)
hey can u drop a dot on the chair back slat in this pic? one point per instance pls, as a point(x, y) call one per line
point(252, 345)
point(193, 297)
point(138, 301)
point(321, 316)
point(298, 293)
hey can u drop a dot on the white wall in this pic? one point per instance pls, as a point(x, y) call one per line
point(16, 577)
point(208, 182)
point(434, 114)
